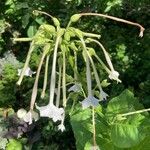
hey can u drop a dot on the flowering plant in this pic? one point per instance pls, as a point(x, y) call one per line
point(62, 44)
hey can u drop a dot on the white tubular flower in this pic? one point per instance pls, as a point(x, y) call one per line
point(75, 88)
point(31, 115)
point(113, 75)
point(61, 127)
point(51, 111)
point(103, 95)
point(90, 101)
point(28, 72)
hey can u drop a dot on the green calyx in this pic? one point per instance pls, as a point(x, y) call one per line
point(75, 18)
point(56, 22)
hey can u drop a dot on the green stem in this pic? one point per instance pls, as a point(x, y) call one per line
point(53, 73)
point(45, 77)
point(134, 112)
point(35, 87)
point(26, 63)
point(103, 65)
point(95, 72)
point(59, 84)
point(105, 53)
point(64, 77)
point(42, 12)
point(88, 72)
point(76, 66)
point(68, 25)
point(94, 129)
point(91, 35)
point(22, 39)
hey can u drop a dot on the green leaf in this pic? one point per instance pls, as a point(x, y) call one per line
point(14, 145)
point(125, 135)
point(125, 102)
point(31, 30)
point(79, 121)
point(144, 145)
point(25, 20)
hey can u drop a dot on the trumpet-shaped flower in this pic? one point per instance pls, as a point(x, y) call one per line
point(28, 72)
point(61, 127)
point(75, 88)
point(51, 111)
point(90, 101)
point(30, 115)
point(103, 95)
point(114, 76)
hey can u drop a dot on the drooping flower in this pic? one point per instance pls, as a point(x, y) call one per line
point(51, 111)
point(90, 101)
point(75, 88)
point(28, 72)
point(114, 76)
point(61, 127)
point(103, 95)
point(30, 115)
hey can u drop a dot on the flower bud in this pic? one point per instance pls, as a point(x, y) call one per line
point(75, 18)
point(56, 22)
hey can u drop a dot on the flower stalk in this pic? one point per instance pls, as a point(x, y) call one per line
point(116, 19)
point(32, 47)
point(58, 88)
point(53, 73)
point(134, 112)
point(45, 77)
point(103, 95)
point(35, 87)
point(94, 129)
point(22, 39)
point(88, 72)
point(64, 75)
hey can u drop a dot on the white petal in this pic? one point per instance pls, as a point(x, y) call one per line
point(75, 88)
point(61, 127)
point(94, 101)
point(114, 76)
point(45, 111)
point(35, 115)
point(103, 95)
point(28, 72)
point(51, 111)
point(28, 118)
point(90, 101)
point(86, 103)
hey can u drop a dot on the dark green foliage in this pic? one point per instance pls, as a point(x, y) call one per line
point(112, 131)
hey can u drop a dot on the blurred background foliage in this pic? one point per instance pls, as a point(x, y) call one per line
point(130, 54)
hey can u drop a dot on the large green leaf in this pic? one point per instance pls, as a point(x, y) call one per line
point(144, 145)
point(128, 132)
point(125, 102)
point(125, 135)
